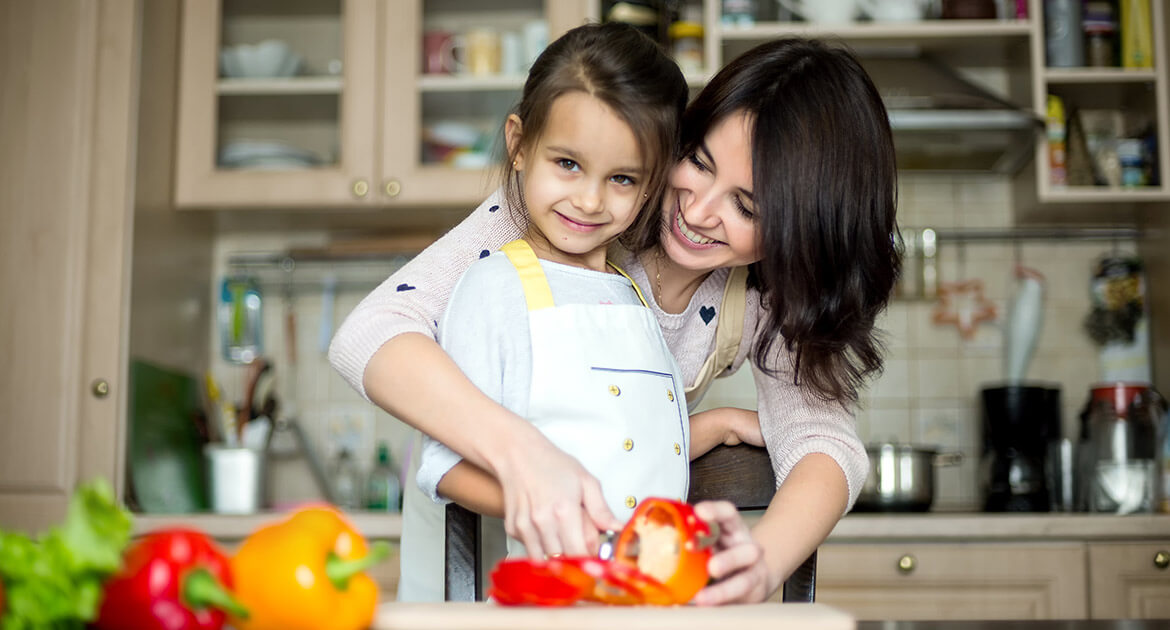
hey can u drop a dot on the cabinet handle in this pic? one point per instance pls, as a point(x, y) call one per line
point(393, 187)
point(100, 388)
point(361, 188)
point(1162, 559)
point(907, 563)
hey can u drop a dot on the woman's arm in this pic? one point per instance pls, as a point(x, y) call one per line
point(473, 488)
point(750, 565)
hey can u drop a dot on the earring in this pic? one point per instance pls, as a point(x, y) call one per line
point(513, 164)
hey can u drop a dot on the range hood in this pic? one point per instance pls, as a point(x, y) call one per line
point(943, 122)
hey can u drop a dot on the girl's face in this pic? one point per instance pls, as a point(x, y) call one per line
point(582, 181)
point(710, 214)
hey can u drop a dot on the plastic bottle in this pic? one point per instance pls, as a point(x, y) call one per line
point(346, 480)
point(1057, 171)
point(383, 489)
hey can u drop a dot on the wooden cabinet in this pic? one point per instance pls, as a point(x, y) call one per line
point(349, 128)
point(1137, 98)
point(954, 581)
point(66, 180)
point(1129, 580)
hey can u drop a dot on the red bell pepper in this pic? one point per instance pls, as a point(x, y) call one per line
point(174, 579)
point(660, 559)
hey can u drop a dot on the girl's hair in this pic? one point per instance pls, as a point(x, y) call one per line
point(824, 185)
point(632, 76)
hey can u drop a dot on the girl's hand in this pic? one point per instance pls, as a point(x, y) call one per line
point(737, 566)
point(551, 503)
point(724, 425)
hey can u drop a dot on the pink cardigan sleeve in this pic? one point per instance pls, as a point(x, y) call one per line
point(414, 297)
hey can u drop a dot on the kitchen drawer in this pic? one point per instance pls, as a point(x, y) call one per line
point(1129, 580)
point(916, 581)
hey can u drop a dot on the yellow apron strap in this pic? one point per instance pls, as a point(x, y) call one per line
point(634, 284)
point(728, 333)
point(536, 290)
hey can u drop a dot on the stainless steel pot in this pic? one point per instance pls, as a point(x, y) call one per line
point(901, 477)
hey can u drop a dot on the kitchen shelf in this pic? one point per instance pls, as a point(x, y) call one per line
point(1104, 194)
point(282, 86)
point(432, 83)
point(1057, 76)
point(372, 525)
point(927, 30)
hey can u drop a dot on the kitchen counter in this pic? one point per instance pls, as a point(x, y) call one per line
point(933, 526)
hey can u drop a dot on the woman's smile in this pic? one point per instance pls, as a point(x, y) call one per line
point(690, 237)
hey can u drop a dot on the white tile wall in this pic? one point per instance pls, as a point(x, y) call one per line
point(927, 394)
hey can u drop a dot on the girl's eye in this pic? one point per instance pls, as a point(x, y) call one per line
point(695, 161)
point(567, 164)
point(748, 213)
point(623, 180)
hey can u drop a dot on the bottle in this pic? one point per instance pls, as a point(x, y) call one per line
point(383, 489)
point(1064, 38)
point(1057, 172)
point(346, 479)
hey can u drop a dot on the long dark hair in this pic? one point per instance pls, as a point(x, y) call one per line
point(824, 184)
point(629, 72)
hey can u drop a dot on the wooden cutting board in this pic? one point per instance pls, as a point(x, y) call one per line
point(486, 616)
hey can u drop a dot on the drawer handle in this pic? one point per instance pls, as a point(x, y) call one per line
point(360, 188)
point(101, 389)
point(1162, 559)
point(392, 188)
point(907, 563)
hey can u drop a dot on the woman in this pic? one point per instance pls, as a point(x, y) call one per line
point(788, 169)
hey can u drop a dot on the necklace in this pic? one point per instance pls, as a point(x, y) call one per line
point(658, 277)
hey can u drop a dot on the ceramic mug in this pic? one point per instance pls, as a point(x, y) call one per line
point(823, 11)
point(894, 10)
point(483, 51)
point(443, 52)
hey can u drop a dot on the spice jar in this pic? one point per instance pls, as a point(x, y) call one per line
point(686, 43)
point(1100, 35)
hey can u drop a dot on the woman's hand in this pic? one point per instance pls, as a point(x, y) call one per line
point(551, 503)
point(737, 566)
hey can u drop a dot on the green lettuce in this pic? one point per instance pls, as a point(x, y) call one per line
point(55, 581)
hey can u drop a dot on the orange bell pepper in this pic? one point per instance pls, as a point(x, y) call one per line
point(665, 540)
point(307, 573)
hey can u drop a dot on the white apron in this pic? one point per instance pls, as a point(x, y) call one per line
point(606, 390)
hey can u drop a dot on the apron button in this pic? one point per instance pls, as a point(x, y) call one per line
point(670, 395)
point(613, 389)
point(677, 449)
point(631, 501)
point(628, 444)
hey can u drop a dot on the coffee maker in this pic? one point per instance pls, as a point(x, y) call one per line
point(1020, 422)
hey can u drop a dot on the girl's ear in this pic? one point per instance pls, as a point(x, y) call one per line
point(513, 137)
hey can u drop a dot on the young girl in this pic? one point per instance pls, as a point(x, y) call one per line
point(547, 326)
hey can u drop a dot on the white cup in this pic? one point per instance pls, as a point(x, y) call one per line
point(894, 10)
point(235, 479)
point(823, 11)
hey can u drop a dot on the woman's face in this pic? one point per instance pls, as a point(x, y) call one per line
point(711, 216)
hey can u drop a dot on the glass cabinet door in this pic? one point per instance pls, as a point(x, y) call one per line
point(453, 70)
point(277, 103)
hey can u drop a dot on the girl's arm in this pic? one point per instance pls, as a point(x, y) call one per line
point(473, 488)
point(386, 350)
point(724, 425)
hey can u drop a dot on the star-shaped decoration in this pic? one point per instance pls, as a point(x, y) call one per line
point(963, 305)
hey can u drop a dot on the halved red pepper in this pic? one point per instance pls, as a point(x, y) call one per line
point(660, 559)
point(175, 579)
point(665, 540)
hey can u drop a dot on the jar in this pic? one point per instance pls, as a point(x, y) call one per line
point(1100, 35)
point(686, 45)
point(1121, 462)
point(1129, 155)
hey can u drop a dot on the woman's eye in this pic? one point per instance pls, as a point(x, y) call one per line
point(567, 164)
point(747, 212)
point(623, 180)
point(693, 158)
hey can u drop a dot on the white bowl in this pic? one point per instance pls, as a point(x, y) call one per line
point(269, 58)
